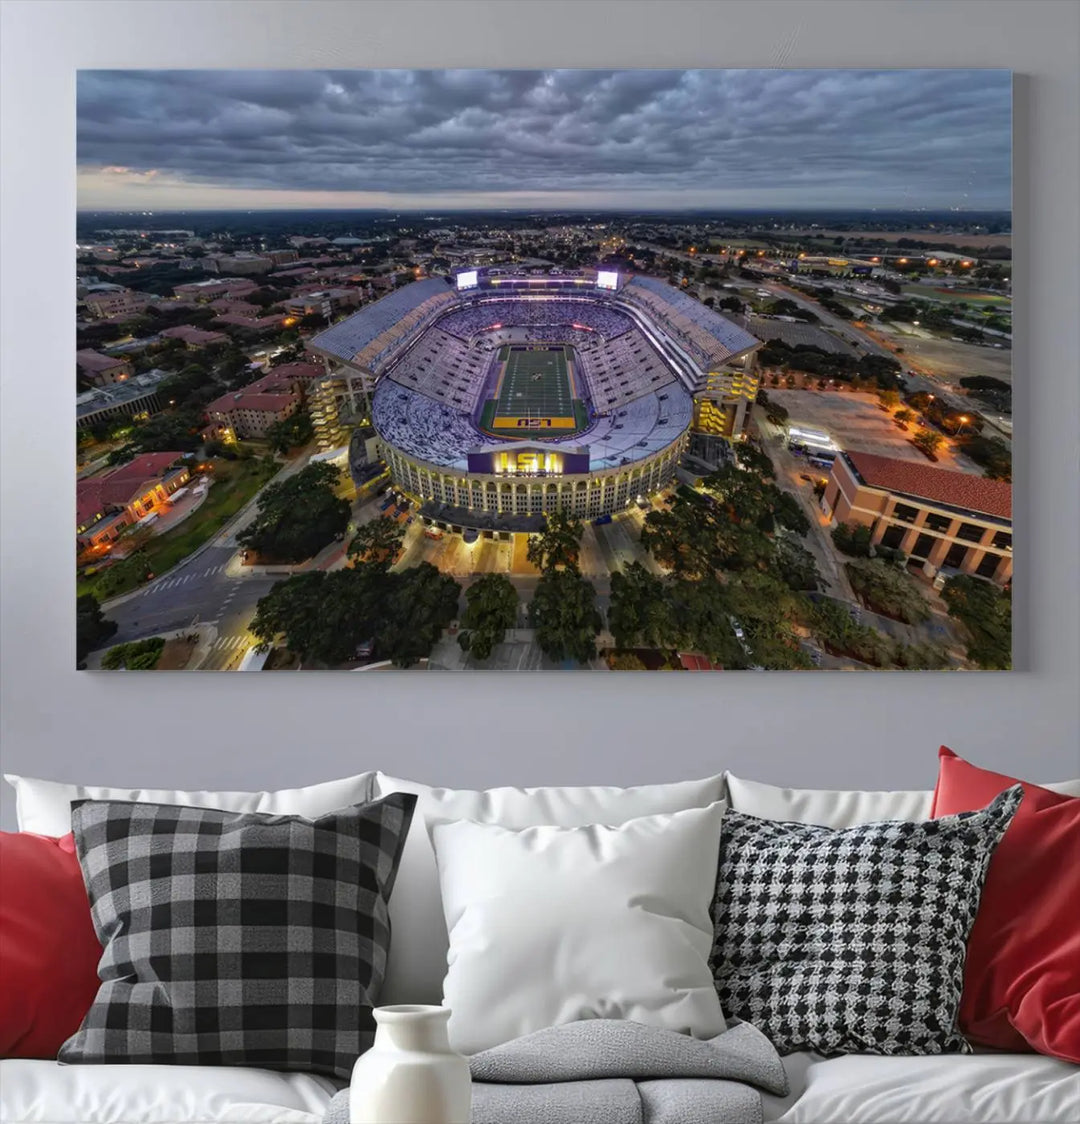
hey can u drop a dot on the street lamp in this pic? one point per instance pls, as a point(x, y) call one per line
point(964, 419)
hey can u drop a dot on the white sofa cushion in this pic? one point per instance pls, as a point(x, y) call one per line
point(951, 1089)
point(43, 1092)
point(419, 943)
point(839, 808)
point(44, 807)
point(549, 925)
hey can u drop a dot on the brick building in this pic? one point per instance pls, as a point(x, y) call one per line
point(937, 517)
point(106, 504)
point(102, 370)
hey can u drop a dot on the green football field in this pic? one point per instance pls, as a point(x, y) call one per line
point(535, 384)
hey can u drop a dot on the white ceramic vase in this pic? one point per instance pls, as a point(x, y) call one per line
point(410, 1075)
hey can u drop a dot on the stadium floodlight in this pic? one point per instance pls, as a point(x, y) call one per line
point(468, 280)
point(606, 279)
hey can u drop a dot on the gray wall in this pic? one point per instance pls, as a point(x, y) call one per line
point(266, 731)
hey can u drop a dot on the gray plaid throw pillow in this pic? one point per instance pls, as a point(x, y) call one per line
point(852, 941)
point(237, 938)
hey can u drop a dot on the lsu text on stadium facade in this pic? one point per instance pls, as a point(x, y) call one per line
point(498, 396)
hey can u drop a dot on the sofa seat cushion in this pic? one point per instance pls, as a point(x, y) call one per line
point(44, 1092)
point(987, 1088)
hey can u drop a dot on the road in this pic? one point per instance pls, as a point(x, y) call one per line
point(207, 592)
point(200, 594)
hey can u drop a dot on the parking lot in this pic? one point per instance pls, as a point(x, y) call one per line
point(856, 423)
point(945, 358)
point(452, 555)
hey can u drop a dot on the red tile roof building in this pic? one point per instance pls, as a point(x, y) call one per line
point(245, 320)
point(106, 304)
point(106, 504)
point(194, 337)
point(946, 520)
point(250, 411)
point(215, 287)
point(102, 370)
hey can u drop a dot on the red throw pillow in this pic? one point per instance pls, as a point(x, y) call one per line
point(1022, 976)
point(48, 950)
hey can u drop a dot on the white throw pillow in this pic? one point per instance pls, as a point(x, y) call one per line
point(839, 808)
point(553, 924)
point(418, 946)
point(44, 807)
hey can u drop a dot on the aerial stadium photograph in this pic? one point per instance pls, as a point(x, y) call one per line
point(693, 370)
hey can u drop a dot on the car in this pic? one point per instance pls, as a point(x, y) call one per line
point(808, 479)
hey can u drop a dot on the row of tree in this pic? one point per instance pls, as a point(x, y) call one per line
point(882, 370)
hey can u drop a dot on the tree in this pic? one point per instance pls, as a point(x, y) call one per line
point(755, 459)
point(177, 431)
point(122, 575)
point(419, 605)
point(564, 614)
point(928, 442)
point(835, 629)
point(890, 398)
point(905, 415)
point(992, 453)
point(297, 517)
point(377, 542)
point(325, 617)
point(322, 616)
point(264, 297)
point(701, 620)
point(853, 539)
point(795, 565)
point(191, 386)
point(888, 590)
point(291, 432)
point(882, 369)
point(491, 608)
point(92, 628)
point(558, 545)
point(639, 614)
point(765, 608)
point(986, 613)
point(138, 655)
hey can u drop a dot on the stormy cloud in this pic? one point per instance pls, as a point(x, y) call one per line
point(635, 138)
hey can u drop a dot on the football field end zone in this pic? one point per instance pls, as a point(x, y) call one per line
point(555, 422)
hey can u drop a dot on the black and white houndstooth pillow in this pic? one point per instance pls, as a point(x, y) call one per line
point(851, 941)
point(237, 938)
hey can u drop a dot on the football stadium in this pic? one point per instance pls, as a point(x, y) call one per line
point(497, 397)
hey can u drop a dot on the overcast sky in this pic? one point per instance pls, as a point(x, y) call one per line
point(177, 140)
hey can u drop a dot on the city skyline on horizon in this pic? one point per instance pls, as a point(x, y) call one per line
point(561, 140)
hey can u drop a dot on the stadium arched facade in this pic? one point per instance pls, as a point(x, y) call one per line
point(498, 397)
